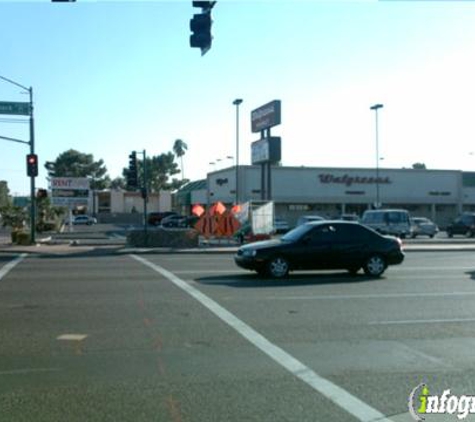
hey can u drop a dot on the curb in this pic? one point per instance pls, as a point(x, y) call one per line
point(78, 247)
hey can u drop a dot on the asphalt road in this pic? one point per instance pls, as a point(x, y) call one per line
point(187, 337)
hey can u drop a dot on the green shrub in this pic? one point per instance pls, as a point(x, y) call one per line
point(23, 238)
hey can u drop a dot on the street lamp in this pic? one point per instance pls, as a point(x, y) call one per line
point(237, 102)
point(376, 107)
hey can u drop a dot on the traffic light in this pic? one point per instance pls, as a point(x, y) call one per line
point(132, 173)
point(200, 26)
point(32, 165)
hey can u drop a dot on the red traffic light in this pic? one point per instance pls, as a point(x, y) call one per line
point(32, 165)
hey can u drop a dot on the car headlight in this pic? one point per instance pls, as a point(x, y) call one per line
point(249, 253)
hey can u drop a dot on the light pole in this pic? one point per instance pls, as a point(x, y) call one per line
point(237, 102)
point(376, 107)
point(31, 142)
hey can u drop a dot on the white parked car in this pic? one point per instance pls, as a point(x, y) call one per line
point(83, 219)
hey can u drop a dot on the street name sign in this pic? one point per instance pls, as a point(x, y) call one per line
point(22, 109)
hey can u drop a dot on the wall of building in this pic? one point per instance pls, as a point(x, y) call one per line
point(329, 192)
point(118, 202)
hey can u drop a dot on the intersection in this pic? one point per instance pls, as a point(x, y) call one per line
point(99, 335)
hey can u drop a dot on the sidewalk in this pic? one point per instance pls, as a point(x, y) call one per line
point(64, 248)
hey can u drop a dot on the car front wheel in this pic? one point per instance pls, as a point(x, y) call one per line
point(375, 266)
point(278, 267)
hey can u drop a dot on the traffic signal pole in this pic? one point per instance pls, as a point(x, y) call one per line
point(32, 178)
point(32, 151)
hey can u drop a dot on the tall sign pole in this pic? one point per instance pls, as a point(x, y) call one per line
point(375, 108)
point(267, 150)
point(237, 102)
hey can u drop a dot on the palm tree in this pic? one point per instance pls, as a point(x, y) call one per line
point(179, 148)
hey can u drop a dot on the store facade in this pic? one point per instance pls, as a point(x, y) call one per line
point(438, 194)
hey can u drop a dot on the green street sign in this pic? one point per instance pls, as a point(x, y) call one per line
point(22, 109)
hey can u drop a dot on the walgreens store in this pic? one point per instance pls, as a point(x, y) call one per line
point(438, 194)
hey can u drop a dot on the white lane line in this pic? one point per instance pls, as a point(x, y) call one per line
point(28, 371)
point(331, 391)
point(371, 296)
point(8, 267)
point(457, 269)
point(423, 321)
point(72, 337)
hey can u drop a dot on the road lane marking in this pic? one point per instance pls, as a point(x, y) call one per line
point(422, 321)
point(372, 296)
point(8, 267)
point(28, 371)
point(72, 337)
point(331, 391)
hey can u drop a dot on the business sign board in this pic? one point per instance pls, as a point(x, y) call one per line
point(267, 150)
point(70, 191)
point(266, 116)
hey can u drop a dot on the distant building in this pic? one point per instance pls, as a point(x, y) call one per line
point(122, 206)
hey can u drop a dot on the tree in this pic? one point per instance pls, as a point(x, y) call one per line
point(4, 194)
point(72, 163)
point(160, 169)
point(179, 148)
point(118, 183)
point(419, 166)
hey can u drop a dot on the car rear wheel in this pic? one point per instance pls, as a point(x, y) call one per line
point(278, 267)
point(375, 266)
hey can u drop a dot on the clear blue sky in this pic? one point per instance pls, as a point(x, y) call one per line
point(112, 76)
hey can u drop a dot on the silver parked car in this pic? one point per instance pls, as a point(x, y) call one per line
point(281, 226)
point(422, 226)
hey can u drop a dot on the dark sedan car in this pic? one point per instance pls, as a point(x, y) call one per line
point(464, 225)
point(323, 245)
